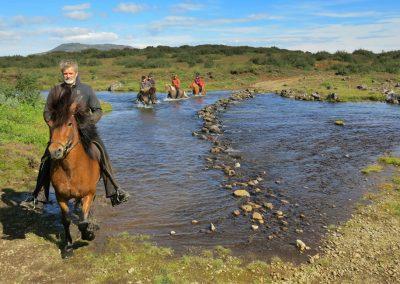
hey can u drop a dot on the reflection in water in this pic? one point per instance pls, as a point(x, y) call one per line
point(158, 161)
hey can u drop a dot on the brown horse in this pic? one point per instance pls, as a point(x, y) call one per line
point(147, 97)
point(171, 91)
point(75, 168)
point(196, 89)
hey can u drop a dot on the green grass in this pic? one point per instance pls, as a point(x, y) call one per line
point(105, 106)
point(23, 124)
point(390, 160)
point(375, 168)
point(128, 258)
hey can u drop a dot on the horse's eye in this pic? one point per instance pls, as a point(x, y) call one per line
point(69, 124)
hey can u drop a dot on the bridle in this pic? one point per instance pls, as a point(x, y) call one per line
point(67, 147)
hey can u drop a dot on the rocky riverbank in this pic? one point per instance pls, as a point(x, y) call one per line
point(263, 208)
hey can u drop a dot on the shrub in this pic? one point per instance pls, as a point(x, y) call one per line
point(25, 91)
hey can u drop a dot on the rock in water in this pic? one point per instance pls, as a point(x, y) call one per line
point(114, 86)
point(247, 208)
point(241, 193)
point(257, 216)
point(212, 227)
point(254, 227)
point(339, 122)
point(301, 245)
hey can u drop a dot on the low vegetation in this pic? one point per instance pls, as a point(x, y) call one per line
point(224, 67)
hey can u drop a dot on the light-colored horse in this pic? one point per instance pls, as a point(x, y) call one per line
point(172, 92)
point(196, 89)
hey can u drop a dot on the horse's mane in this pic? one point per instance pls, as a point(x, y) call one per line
point(60, 112)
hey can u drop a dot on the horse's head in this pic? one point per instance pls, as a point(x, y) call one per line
point(169, 88)
point(63, 135)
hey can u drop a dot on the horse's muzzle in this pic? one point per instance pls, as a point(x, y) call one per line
point(57, 153)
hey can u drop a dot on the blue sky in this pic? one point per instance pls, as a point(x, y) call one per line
point(28, 27)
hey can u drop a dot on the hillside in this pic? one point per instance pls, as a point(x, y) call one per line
point(76, 47)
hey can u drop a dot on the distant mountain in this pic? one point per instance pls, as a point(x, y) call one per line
point(74, 47)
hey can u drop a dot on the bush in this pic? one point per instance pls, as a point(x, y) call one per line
point(322, 55)
point(343, 56)
point(25, 91)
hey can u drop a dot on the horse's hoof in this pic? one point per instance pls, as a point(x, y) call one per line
point(67, 251)
point(88, 236)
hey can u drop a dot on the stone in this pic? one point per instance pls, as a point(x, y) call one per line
point(279, 213)
point(241, 193)
point(316, 96)
point(114, 86)
point(236, 213)
point(246, 208)
point(339, 122)
point(301, 245)
point(237, 165)
point(362, 87)
point(214, 129)
point(212, 227)
point(269, 205)
point(257, 190)
point(254, 227)
point(333, 97)
point(283, 201)
point(299, 231)
point(172, 233)
point(194, 222)
point(257, 216)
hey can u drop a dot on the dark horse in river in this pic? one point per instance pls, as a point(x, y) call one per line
point(75, 167)
point(147, 97)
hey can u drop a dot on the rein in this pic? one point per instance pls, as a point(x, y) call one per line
point(67, 148)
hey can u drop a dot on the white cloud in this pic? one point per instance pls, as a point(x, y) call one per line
point(20, 20)
point(7, 36)
point(63, 32)
point(187, 6)
point(183, 22)
point(347, 14)
point(83, 6)
point(130, 8)
point(92, 37)
point(78, 15)
point(77, 34)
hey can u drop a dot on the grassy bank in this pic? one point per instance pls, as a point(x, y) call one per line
point(224, 68)
point(365, 249)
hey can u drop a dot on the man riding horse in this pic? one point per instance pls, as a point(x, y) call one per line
point(147, 93)
point(82, 94)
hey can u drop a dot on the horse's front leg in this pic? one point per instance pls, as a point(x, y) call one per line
point(86, 229)
point(66, 221)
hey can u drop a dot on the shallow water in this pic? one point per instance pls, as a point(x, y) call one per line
point(316, 163)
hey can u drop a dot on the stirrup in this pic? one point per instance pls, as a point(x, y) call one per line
point(30, 202)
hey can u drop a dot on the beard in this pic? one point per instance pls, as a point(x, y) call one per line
point(70, 81)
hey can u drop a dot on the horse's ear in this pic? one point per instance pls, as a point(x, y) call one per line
point(73, 107)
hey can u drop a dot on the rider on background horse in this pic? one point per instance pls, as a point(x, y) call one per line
point(200, 82)
point(176, 83)
point(81, 93)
